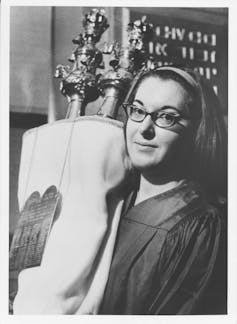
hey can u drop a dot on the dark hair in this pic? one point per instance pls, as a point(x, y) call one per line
point(209, 140)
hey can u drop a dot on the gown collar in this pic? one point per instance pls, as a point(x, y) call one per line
point(157, 209)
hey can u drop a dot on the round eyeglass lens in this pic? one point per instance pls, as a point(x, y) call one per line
point(165, 120)
point(136, 113)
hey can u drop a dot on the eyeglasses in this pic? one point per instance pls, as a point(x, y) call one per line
point(161, 119)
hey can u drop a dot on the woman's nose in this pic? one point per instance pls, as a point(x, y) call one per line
point(147, 128)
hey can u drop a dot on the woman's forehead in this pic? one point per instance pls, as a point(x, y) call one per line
point(159, 82)
point(156, 92)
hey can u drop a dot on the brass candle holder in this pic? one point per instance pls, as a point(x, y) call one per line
point(79, 83)
point(125, 63)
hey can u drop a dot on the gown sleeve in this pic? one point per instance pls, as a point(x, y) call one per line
point(192, 267)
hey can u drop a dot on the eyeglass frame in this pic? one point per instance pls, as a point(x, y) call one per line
point(177, 117)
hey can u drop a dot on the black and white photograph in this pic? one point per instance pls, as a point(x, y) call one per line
point(118, 161)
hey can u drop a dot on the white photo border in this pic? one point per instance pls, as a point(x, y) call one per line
point(5, 318)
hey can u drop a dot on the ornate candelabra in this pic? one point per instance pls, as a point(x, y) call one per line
point(79, 83)
point(125, 63)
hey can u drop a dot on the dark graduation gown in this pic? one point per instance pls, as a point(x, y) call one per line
point(169, 257)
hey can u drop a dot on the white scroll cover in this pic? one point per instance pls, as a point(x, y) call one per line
point(86, 160)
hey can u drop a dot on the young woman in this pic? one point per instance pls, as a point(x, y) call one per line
point(170, 253)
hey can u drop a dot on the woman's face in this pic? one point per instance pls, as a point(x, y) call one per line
point(149, 145)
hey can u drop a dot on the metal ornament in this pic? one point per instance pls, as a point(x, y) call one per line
point(79, 83)
point(125, 63)
point(33, 228)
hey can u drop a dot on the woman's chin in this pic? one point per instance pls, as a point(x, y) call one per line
point(146, 167)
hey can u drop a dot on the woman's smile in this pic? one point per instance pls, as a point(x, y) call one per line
point(145, 145)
